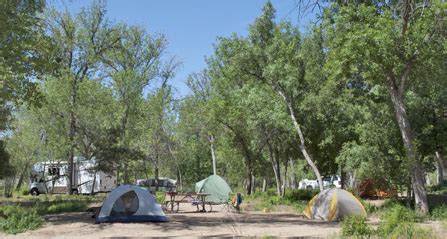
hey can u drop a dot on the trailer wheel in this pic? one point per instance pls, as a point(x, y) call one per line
point(34, 192)
point(309, 187)
point(75, 192)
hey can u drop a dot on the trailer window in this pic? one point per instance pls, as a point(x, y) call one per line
point(53, 171)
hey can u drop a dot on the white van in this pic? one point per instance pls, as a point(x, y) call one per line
point(52, 177)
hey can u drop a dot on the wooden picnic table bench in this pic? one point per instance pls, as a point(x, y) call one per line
point(173, 199)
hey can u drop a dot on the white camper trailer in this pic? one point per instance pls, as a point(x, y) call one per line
point(51, 177)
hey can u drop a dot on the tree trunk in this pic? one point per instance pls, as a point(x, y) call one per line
point(126, 173)
point(342, 178)
point(416, 171)
point(8, 183)
point(352, 180)
point(92, 192)
point(71, 135)
point(293, 179)
point(179, 172)
point(118, 174)
point(253, 184)
point(439, 167)
point(302, 145)
point(409, 198)
point(264, 185)
point(213, 156)
point(275, 166)
point(248, 180)
point(284, 182)
point(179, 180)
point(156, 172)
point(21, 177)
point(248, 162)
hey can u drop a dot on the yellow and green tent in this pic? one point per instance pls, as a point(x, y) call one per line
point(333, 204)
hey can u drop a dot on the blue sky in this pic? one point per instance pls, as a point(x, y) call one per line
point(192, 26)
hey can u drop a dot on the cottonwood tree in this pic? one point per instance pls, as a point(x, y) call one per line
point(386, 46)
point(79, 41)
point(270, 55)
point(23, 57)
point(130, 69)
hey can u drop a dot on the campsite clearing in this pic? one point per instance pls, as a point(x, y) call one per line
point(186, 223)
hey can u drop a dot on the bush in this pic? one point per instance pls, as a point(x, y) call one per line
point(23, 191)
point(355, 226)
point(17, 219)
point(398, 220)
point(300, 194)
point(439, 213)
point(160, 197)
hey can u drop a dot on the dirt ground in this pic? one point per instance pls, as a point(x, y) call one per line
point(185, 224)
point(188, 223)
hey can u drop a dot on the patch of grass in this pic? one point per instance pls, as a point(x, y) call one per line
point(355, 226)
point(409, 231)
point(439, 213)
point(444, 224)
point(68, 206)
point(399, 222)
point(15, 219)
point(370, 208)
point(63, 203)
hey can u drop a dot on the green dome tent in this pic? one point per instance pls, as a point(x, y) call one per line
point(216, 187)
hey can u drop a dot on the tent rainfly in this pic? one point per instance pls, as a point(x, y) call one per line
point(216, 187)
point(130, 203)
point(333, 204)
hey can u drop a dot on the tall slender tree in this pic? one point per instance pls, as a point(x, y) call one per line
point(79, 42)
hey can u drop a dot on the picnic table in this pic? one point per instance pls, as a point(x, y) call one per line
point(173, 199)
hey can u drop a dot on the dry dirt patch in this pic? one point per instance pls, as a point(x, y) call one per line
point(186, 223)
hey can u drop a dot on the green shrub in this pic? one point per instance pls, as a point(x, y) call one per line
point(17, 219)
point(24, 191)
point(300, 194)
point(389, 203)
point(160, 197)
point(439, 213)
point(396, 220)
point(355, 226)
point(271, 192)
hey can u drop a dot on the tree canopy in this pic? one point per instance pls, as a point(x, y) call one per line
point(361, 94)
